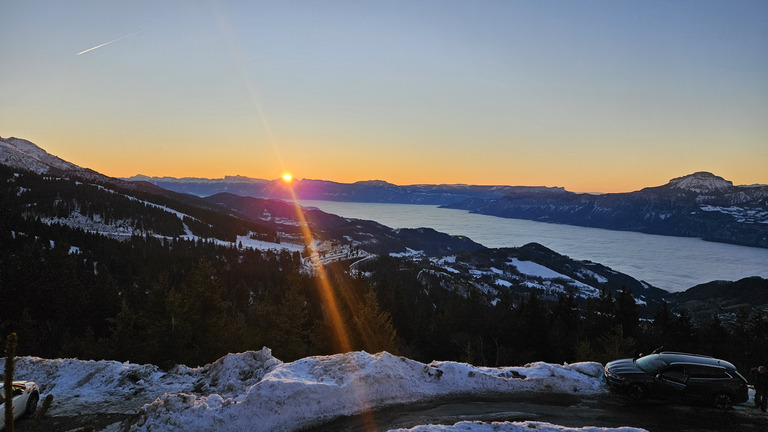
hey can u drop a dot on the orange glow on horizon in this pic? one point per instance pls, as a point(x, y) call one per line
point(524, 169)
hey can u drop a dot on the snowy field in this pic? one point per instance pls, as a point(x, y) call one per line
point(254, 391)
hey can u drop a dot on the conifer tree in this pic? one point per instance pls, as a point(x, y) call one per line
point(375, 325)
point(198, 317)
point(616, 344)
point(626, 311)
point(283, 321)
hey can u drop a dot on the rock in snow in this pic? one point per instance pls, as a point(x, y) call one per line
point(254, 391)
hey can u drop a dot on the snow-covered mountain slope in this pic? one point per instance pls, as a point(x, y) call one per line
point(701, 182)
point(532, 268)
point(23, 154)
point(254, 391)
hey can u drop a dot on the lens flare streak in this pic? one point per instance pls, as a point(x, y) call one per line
point(343, 343)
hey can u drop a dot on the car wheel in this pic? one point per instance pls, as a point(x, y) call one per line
point(637, 391)
point(723, 401)
point(32, 404)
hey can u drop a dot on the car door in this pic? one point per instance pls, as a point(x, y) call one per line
point(671, 382)
point(706, 381)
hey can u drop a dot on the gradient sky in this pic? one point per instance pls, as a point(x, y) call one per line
point(593, 96)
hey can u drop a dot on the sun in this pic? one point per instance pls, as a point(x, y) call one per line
point(287, 178)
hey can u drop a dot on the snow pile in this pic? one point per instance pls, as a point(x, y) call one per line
point(527, 426)
point(316, 389)
point(123, 388)
point(255, 391)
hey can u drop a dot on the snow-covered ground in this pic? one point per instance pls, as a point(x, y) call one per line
point(527, 426)
point(254, 391)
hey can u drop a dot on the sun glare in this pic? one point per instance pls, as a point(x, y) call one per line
point(287, 178)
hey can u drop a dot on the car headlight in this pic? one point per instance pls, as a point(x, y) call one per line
point(613, 377)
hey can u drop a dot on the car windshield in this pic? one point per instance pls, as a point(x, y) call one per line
point(651, 363)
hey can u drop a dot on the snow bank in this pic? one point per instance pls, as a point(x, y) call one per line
point(510, 427)
point(254, 391)
point(316, 389)
point(77, 385)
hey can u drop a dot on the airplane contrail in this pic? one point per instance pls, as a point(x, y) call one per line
point(113, 41)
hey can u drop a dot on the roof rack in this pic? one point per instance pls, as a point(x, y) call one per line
point(686, 354)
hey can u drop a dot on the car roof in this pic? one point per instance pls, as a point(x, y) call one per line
point(678, 357)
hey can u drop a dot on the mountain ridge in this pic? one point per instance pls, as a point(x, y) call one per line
point(379, 191)
point(700, 204)
point(697, 205)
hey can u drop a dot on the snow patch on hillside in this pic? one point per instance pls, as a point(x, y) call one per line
point(530, 268)
point(742, 215)
point(550, 278)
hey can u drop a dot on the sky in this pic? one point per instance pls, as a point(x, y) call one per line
point(593, 96)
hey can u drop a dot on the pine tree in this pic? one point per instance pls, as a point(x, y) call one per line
point(375, 325)
point(199, 317)
point(626, 311)
point(282, 323)
point(616, 344)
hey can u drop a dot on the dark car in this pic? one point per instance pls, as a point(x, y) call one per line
point(678, 375)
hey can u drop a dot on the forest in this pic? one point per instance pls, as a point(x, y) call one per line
point(67, 292)
point(166, 302)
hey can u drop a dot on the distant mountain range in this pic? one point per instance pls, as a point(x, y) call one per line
point(697, 205)
point(373, 191)
point(40, 188)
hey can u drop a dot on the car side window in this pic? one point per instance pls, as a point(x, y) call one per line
point(707, 372)
point(676, 374)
